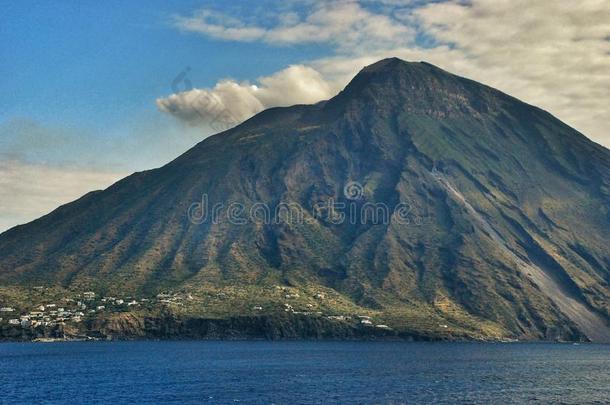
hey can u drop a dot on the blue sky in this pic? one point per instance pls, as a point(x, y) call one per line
point(87, 86)
point(99, 66)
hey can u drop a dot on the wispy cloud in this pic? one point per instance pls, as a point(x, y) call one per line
point(31, 190)
point(344, 24)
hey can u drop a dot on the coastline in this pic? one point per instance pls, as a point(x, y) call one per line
point(276, 327)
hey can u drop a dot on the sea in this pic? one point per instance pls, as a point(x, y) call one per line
point(261, 372)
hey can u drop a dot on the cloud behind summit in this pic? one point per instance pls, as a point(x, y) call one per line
point(553, 54)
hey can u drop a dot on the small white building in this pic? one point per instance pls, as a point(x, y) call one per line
point(89, 295)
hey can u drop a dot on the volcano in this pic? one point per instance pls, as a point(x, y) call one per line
point(413, 192)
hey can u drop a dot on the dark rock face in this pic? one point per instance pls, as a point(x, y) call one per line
point(268, 327)
point(494, 206)
point(127, 326)
point(19, 334)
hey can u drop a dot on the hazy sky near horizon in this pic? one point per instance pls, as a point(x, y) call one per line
point(93, 91)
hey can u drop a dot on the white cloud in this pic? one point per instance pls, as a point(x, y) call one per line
point(229, 102)
point(218, 26)
point(551, 53)
point(296, 84)
point(29, 191)
point(345, 24)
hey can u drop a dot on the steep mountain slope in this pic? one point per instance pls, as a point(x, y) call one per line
point(496, 211)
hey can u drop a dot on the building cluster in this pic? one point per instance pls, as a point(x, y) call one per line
point(49, 314)
point(89, 304)
point(368, 321)
point(363, 320)
point(169, 298)
point(78, 308)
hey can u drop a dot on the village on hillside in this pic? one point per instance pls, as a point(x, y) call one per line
point(49, 310)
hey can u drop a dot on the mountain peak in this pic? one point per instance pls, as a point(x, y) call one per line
point(386, 64)
point(397, 65)
point(393, 84)
point(392, 67)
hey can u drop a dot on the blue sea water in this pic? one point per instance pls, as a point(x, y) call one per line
point(303, 372)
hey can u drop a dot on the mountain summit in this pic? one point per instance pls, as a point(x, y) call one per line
point(427, 197)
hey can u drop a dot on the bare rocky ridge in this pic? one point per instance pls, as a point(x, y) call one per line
point(503, 228)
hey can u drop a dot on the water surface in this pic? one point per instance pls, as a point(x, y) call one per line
point(303, 372)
